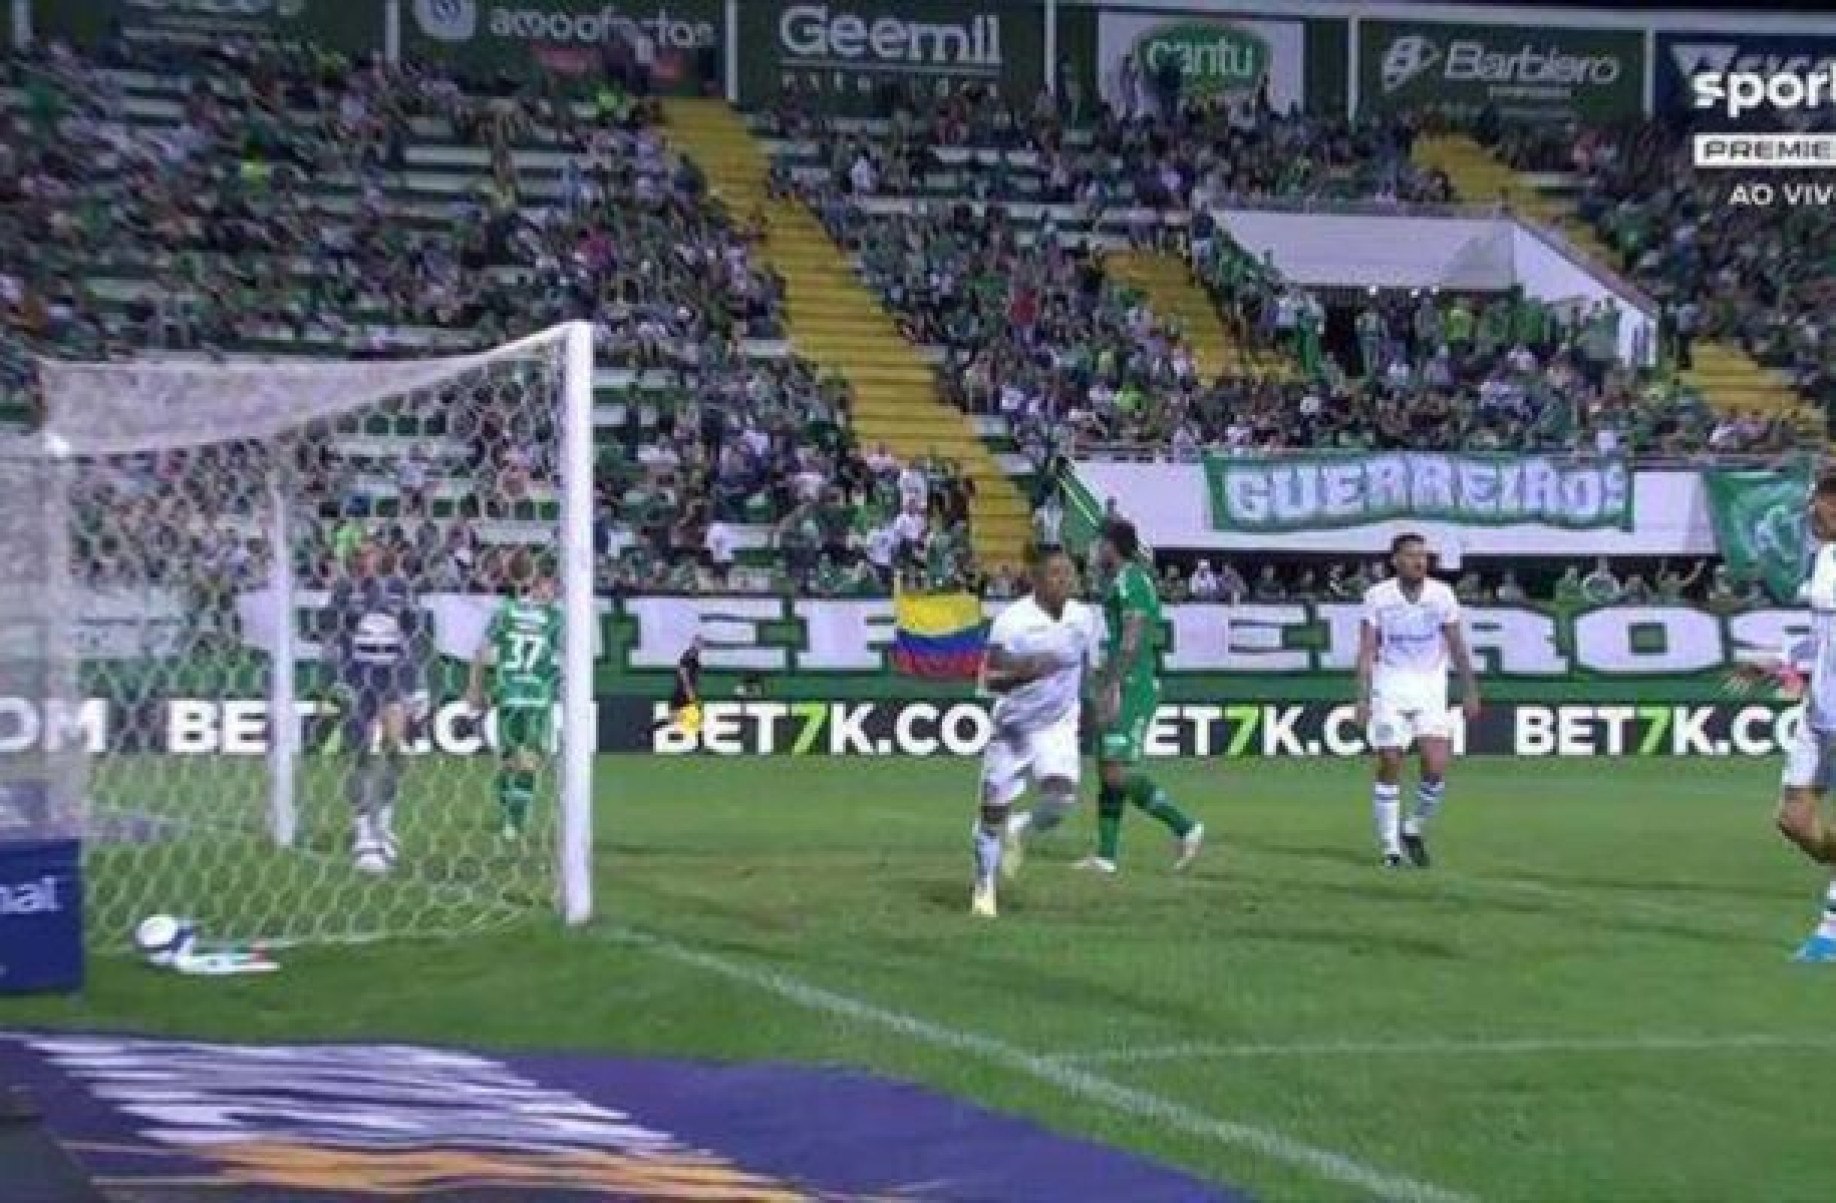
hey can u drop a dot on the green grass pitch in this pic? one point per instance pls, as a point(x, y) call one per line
point(1588, 998)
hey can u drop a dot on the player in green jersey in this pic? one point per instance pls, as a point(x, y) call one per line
point(1128, 694)
point(522, 649)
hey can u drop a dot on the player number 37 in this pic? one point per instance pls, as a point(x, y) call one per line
point(525, 651)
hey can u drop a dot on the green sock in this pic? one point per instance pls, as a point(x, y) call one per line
point(515, 790)
point(1151, 798)
point(1110, 805)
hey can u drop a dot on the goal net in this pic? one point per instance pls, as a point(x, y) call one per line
point(275, 580)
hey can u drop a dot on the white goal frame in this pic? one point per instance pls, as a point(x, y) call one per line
point(194, 404)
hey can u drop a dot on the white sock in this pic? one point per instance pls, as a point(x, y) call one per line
point(1826, 926)
point(1428, 798)
point(365, 840)
point(1019, 823)
point(987, 855)
point(1386, 810)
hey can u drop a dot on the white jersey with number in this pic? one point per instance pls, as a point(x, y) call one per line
point(1412, 659)
point(1071, 641)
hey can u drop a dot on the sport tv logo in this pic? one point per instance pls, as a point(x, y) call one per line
point(1721, 78)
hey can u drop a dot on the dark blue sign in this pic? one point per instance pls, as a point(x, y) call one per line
point(1681, 55)
point(41, 916)
point(279, 1123)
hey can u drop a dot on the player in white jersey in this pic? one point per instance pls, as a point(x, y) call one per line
point(1410, 633)
point(1039, 650)
point(1808, 668)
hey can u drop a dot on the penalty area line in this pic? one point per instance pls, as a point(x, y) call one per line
point(1519, 1046)
point(1080, 1083)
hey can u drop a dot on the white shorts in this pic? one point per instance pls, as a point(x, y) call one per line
point(1012, 757)
point(1396, 723)
point(1810, 760)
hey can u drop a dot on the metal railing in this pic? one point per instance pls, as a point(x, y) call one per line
point(1142, 453)
point(1340, 206)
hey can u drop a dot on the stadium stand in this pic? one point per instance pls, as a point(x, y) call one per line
point(276, 206)
point(1737, 289)
point(1053, 317)
point(970, 288)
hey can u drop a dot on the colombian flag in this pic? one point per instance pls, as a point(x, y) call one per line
point(938, 635)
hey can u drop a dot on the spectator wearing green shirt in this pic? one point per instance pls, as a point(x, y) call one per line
point(1568, 591)
point(1723, 598)
point(1530, 322)
point(1672, 585)
point(1600, 587)
point(1370, 339)
point(1458, 325)
point(1268, 586)
point(827, 579)
point(1427, 326)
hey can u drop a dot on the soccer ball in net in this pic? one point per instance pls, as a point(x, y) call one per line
point(162, 939)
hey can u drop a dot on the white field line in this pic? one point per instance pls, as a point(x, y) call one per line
point(1503, 1047)
point(1125, 1100)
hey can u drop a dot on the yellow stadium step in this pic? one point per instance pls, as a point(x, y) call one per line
point(839, 323)
point(1729, 376)
point(1726, 375)
point(1172, 293)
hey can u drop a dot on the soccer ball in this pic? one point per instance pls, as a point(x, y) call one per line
point(162, 939)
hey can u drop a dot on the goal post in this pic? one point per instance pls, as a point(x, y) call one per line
point(229, 525)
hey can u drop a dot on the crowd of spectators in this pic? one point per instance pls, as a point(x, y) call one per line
point(842, 519)
point(1034, 330)
point(1103, 157)
point(1254, 581)
point(275, 205)
point(277, 199)
point(1486, 372)
point(1762, 276)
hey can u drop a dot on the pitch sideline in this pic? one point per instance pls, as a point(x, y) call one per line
point(1129, 1101)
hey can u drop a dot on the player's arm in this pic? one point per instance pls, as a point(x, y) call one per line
point(1093, 656)
point(482, 661)
point(1003, 670)
point(1786, 669)
point(1462, 657)
point(1129, 649)
point(340, 631)
point(1367, 665)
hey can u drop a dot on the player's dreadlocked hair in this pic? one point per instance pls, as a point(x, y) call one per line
point(1120, 534)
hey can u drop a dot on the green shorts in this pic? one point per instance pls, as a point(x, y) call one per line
point(1121, 742)
point(524, 729)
